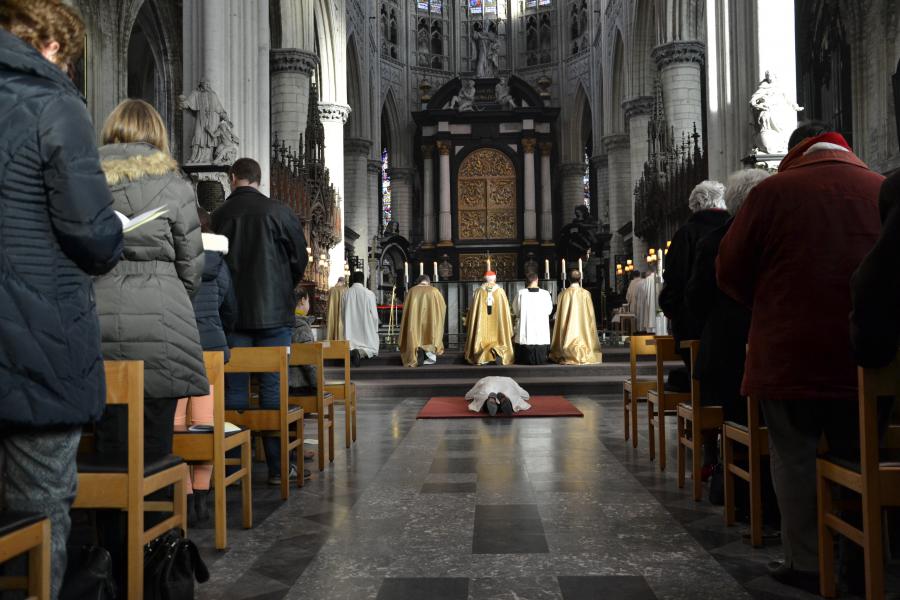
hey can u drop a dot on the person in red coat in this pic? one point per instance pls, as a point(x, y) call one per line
point(789, 256)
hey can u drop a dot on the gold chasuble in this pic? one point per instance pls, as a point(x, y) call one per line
point(422, 325)
point(489, 335)
point(575, 339)
point(334, 322)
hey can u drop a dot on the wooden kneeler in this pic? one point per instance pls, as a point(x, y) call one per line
point(107, 482)
point(634, 388)
point(661, 402)
point(755, 438)
point(22, 533)
point(343, 390)
point(877, 482)
point(320, 402)
point(273, 359)
point(212, 447)
point(697, 418)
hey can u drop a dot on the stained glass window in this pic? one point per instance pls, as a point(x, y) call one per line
point(483, 15)
point(430, 32)
point(385, 189)
point(537, 26)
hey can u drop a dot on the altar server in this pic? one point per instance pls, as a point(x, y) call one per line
point(334, 324)
point(422, 325)
point(575, 340)
point(532, 308)
point(489, 325)
point(360, 320)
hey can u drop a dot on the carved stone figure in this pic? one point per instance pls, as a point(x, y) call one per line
point(775, 115)
point(503, 96)
point(465, 99)
point(581, 235)
point(487, 50)
point(226, 144)
point(204, 104)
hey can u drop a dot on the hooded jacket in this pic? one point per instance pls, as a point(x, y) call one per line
point(56, 229)
point(215, 305)
point(144, 302)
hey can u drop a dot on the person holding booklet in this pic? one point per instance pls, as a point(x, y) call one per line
point(144, 303)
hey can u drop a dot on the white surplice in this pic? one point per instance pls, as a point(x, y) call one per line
point(361, 320)
point(486, 386)
point(645, 300)
point(531, 310)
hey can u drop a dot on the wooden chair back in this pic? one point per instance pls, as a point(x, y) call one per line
point(271, 359)
point(875, 384)
point(322, 403)
point(125, 386)
point(666, 351)
point(640, 345)
point(693, 346)
point(312, 354)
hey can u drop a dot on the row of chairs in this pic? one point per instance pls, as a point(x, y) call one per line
point(877, 481)
point(113, 483)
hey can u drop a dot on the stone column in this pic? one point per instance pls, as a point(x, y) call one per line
point(428, 194)
point(446, 221)
point(680, 65)
point(333, 117)
point(572, 188)
point(238, 73)
point(637, 117)
point(373, 189)
point(620, 192)
point(401, 198)
point(600, 169)
point(530, 225)
point(356, 153)
point(546, 206)
point(291, 69)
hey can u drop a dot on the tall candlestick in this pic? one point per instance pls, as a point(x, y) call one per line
point(489, 262)
point(546, 268)
point(579, 267)
point(562, 273)
point(435, 270)
point(405, 271)
point(421, 268)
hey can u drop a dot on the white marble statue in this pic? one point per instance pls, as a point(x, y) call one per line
point(487, 47)
point(226, 144)
point(465, 99)
point(776, 115)
point(209, 114)
point(503, 96)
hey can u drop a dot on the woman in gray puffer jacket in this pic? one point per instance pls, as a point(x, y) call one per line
point(144, 303)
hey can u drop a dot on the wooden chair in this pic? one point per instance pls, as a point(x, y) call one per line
point(699, 419)
point(343, 390)
point(272, 359)
point(29, 533)
point(755, 438)
point(320, 401)
point(634, 388)
point(123, 482)
point(212, 447)
point(661, 402)
point(876, 481)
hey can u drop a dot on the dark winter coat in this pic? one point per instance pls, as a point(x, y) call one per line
point(56, 227)
point(678, 265)
point(144, 303)
point(267, 257)
point(725, 326)
point(875, 321)
point(215, 305)
point(789, 256)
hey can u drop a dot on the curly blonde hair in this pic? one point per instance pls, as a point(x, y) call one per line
point(39, 22)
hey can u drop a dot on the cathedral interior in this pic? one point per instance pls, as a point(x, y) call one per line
point(450, 137)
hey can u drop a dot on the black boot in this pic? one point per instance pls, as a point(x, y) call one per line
point(201, 506)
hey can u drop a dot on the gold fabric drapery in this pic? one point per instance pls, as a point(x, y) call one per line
point(489, 335)
point(334, 320)
point(575, 340)
point(422, 324)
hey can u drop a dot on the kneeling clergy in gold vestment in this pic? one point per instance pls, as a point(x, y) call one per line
point(422, 326)
point(575, 339)
point(489, 325)
point(334, 309)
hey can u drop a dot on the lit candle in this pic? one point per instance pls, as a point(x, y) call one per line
point(579, 265)
point(546, 268)
point(489, 262)
point(421, 268)
point(405, 271)
point(434, 264)
point(562, 273)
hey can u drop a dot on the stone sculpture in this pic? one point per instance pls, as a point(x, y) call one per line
point(583, 234)
point(465, 99)
point(213, 140)
point(487, 50)
point(776, 115)
point(503, 96)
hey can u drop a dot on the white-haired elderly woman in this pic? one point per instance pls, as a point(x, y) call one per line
point(707, 203)
point(724, 323)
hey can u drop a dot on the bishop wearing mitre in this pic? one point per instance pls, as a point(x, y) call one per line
point(422, 325)
point(489, 325)
point(575, 340)
point(334, 309)
point(531, 309)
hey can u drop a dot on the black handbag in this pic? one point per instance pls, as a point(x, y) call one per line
point(88, 575)
point(171, 565)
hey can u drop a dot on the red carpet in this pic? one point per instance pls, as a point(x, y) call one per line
point(456, 407)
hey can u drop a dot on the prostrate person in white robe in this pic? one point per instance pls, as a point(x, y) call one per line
point(360, 319)
point(497, 394)
point(531, 310)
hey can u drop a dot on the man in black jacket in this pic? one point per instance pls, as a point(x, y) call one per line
point(57, 228)
point(267, 258)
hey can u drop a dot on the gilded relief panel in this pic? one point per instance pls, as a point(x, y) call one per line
point(486, 195)
point(473, 266)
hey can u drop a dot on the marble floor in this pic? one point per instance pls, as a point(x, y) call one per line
point(522, 509)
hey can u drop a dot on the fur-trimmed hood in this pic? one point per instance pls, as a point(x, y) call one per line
point(215, 243)
point(130, 162)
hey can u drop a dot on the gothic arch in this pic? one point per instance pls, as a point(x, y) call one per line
point(644, 38)
point(357, 125)
point(618, 90)
point(580, 125)
point(391, 130)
